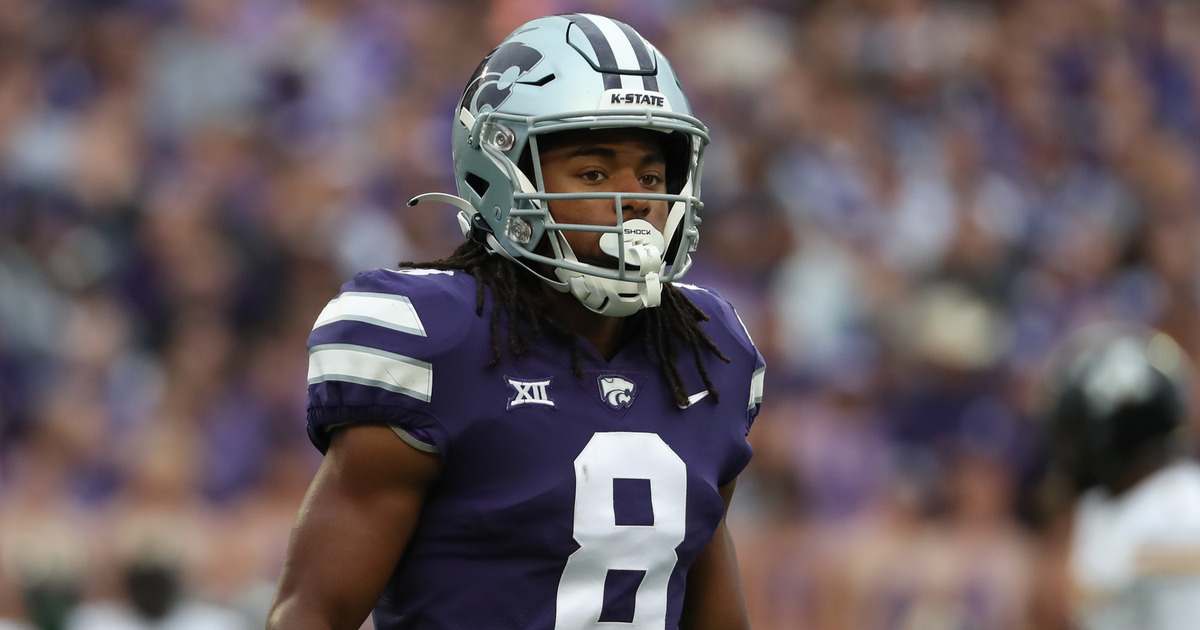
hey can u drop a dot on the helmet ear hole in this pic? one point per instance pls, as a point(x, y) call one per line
point(478, 184)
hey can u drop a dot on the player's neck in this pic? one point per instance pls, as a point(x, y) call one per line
point(606, 334)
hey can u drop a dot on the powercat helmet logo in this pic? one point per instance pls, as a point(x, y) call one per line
point(492, 82)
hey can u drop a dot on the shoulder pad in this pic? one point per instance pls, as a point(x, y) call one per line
point(374, 347)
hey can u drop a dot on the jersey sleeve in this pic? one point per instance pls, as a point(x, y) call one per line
point(373, 349)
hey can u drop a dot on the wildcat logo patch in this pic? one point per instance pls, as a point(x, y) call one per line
point(617, 391)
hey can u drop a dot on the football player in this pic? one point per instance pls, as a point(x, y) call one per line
point(544, 429)
point(1117, 417)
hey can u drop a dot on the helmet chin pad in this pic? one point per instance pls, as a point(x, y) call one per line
point(637, 248)
point(612, 298)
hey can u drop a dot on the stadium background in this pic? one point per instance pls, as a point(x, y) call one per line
point(910, 201)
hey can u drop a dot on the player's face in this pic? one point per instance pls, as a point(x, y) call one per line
point(605, 161)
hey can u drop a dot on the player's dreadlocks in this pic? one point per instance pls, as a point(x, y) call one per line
point(672, 325)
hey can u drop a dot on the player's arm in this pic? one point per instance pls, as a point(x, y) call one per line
point(715, 599)
point(354, 523)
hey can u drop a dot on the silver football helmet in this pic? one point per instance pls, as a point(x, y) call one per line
point(562, 73)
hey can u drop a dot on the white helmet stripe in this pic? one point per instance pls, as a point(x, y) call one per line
point(645, 57)
point(614, 52)
point(622, 51)
point(603, 50)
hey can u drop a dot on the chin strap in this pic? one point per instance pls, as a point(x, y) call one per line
point(652, 296)
point(641, 248)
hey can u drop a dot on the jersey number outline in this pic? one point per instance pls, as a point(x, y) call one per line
point(607, 546)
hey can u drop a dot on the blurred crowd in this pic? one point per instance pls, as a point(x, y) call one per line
point(909, 201)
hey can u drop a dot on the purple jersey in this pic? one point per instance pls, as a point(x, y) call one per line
point(562, 502)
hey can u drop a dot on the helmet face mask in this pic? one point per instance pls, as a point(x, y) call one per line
point(557, 76)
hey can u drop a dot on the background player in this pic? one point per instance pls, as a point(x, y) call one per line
point(1117, 420)
point(542, 430)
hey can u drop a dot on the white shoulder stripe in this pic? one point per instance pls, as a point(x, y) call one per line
point(370, 366)
point(756, 387)
point(382, 309)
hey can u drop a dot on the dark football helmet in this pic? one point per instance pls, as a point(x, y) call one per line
point(1118, 404)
